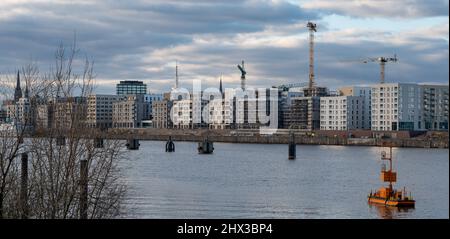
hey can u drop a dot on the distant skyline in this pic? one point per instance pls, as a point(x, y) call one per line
point(141, 40)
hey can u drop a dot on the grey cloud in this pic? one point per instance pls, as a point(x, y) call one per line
point(381, 8)
point(124, 39)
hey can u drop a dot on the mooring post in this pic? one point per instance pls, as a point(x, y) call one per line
point(133, 144)
point(170, 146)
point(83, 189)
point(61, 141)
point(24, 186)
point(98, 142)
point(292, 146)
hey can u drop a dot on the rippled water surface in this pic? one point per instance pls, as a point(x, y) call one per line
point(258, 181)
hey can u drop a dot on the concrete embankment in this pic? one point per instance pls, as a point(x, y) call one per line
point(248, 136)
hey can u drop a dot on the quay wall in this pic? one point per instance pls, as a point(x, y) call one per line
point(368, 138)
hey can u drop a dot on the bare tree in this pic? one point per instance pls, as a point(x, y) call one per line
point(53, 189)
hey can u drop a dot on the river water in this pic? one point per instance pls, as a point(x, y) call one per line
point(258, 181)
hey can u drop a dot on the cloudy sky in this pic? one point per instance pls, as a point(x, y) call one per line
point(142, 39)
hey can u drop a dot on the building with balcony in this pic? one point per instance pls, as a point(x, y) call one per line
point(435, 107)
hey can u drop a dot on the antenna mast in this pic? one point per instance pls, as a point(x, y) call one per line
point(176, 75)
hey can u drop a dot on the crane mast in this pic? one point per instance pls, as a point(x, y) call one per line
point(312, 28)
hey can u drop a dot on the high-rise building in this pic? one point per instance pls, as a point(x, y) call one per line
point(131, 88)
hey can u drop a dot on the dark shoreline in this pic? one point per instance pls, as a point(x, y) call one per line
point(253, 137)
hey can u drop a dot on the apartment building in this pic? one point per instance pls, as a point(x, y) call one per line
point(366, 93)
point(342, 113)
point(435, 107)
point(100, 110)
point(129, 112)
point(149, 99)
point(397, 106)
point(161, 114)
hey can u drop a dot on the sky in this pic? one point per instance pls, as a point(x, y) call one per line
point(142, 40)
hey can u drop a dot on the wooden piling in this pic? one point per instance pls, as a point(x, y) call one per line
point(83, 189)
point(133, 144)
point(98, 143)
point(205, 147)
point(24, 186)
point(61, 141)
point(170, 146)
point(292, 146)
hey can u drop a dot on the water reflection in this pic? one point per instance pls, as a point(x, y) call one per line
point(385, 212)
point(258, 181)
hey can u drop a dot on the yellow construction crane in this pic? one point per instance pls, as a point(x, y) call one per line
point(382, 61)
point(312, 28)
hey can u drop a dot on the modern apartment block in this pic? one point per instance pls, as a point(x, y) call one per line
point(100, 110)
point(161, 114)
point(130, 112)
point(182, 114)
point(342, 113)
point(150, 98)
point(187, 114)
point(366, 93)
point(216, 113)
point(435, 107)
point(397, 106)
point(131, 88)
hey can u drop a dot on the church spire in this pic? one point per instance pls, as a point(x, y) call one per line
point(18, 90)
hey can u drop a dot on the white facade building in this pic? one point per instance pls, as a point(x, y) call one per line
point(397, 106)
point(342, 113)
point(181, 114)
